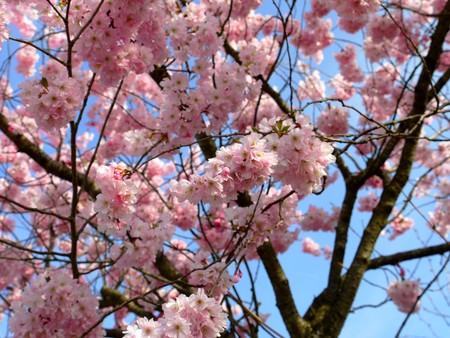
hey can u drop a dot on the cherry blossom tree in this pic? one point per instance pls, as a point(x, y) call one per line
point(156, 155)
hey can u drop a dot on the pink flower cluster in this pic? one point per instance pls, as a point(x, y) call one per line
point(258, 56)
point(18, 273)
point(4, 20)
point(348, 64)
point(186, 112)
point(400, 225)
point(143, 241)
point(213, 277)
point(53, 305)
point(137, 141)
point(440, 217)
point(377, 92)
point(314, 37)
point(265, 108)
point(334, 121)
point(121, 38)
point(354, 8)
point(7, 224)
point(368, 203)
point(242, 8)
point(194, 33)
point(374, 182)
point(385, 39)
point(54, 99)
point(253, 227)
point(302, 157)
point(354, 14)
point(311, 247)
point(312, 87)
point(317, 219)
point(116, 202)
point(404, 294)
point(26, 60)
point(321, 7)
point(343, 89)
point(196, 316)
point(235, 168)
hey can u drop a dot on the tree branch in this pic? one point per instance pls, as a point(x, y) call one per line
point(342, 304)
point(408, 255)
point(51, 166)
point(112, 297)
point(296, 326)
point(168, 271)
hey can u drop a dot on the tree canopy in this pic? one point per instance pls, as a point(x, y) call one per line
point(157, 155)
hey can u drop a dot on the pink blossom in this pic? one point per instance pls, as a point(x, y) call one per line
point(354, 8)
point(235, 168)
point(367, 203)
point(343, 89)
point(352, 25)
point(254, 227)
point(13, 276)
point(258, 56)
point(241, 8)
point(318, 219)
point(333, 121)
point(54, 99)
point(348, 65)
point(327, 252)
point(116, 202)
point(302, 158)
point(400, 225)
point(54, 304)
point(4, 20)
point(7, 224)
point(440, 218)
point(213, 277)
point(321, 7)
point(267, 108)
point(385, 39)
point(310, 247)
point(26, 60)
point(312, 87)
point(121, 39)
point(313, 38)
point(195, 316)
point(404, 294)
point(374, 182)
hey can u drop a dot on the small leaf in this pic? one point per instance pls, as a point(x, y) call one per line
point(44, 82)
point(62, 3)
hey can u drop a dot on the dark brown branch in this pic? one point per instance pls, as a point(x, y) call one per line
point(408, 255)
point(112, 297)
point(168, 271)
point(113, 333)
point(340, 242)
point(440, 83)
point(296, 326)
point(207, 145)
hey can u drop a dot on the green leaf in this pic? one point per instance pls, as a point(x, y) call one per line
point(62, 4)
point(44, 82)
